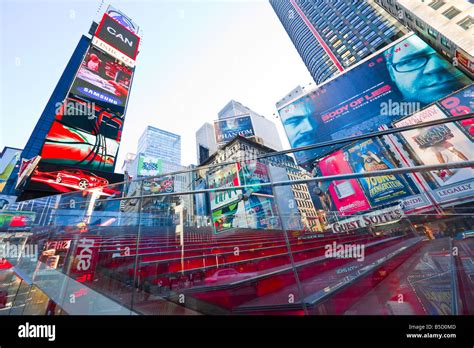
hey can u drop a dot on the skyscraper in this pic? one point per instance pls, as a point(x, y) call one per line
point(235, 118)
point(163, 145)
point(205, 142)
point(330, 36)
point(448, 26)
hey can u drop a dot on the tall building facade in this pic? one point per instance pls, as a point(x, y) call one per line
point(448, 26)
point(205, 142)
point(264, 130)
point(296, 210)
point(330, 36)
point(36, 140)
point(161, 144)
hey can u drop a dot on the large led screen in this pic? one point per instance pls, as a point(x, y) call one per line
point(229, 128)
point(103, 79)
point(59, 179)
point(83, 135)
point(369, 95)
point(118, 36)
point(227, 176)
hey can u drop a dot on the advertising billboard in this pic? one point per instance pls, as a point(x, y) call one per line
point(159, 185)
point(444, 143)
point(227, 176)
point(149, 166)
point(254, 173)
point(461, 103)
point(369, 156)
point(228, 217)
point(118, 36)
point(261, 213)
point(347, 195)
point(58, 179)
point(83, 135)
point(392, 84)
point(8, 159)
point(229, 128)
point(103, 79)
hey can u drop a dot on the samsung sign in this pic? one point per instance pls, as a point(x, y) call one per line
point(118, 36)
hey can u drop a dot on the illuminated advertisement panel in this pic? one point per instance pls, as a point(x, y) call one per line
point(113, 33)
point(56, 179)
point(159, 185)
point(103, 79)
point(261, 213)
point(461, 103)
point(227, 176)
point(444, 143)
point(254, 173)
point(83, 135)
point(8, 159)
point(347, 195)
point(229, 128)
point(370, 156)
point(149, 166)
point(370, 95)
point(228, 217)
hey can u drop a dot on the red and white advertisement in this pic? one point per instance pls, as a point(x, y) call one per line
point(347, 195)
point(85, 260)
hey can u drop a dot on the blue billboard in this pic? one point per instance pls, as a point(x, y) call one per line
point(229, 128)
point(369, 156)
point(390, 85)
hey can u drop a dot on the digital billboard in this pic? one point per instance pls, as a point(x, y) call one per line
point(227, 176)
point(370, 156)
point(254, 173)
point(149, 166)
point(58, 179)
point(103, 79)
point(228, 217)
point(261, 212)
point(369, 95)
point(347, 195)
point(229, 128)
point(83, 135)
point(119, 37)
point(443, 143)
point(159, 185)
point(8, 159)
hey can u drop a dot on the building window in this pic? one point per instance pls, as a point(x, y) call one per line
point(466, 23)
point(451, 12)
point(445, 42)
point(419, 24)
point(433, 33)
point(436, 4)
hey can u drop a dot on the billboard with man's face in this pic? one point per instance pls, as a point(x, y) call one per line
point(229, 128)
point(394, 83)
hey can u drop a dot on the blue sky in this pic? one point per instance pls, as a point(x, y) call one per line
point(195, 57)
